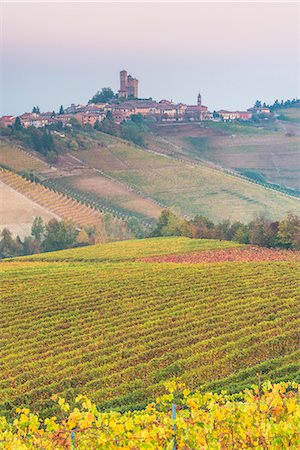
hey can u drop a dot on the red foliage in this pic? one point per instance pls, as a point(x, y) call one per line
point(243, 254)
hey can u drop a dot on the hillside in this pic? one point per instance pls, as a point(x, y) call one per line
point(189, 188)
point(116, 328)
point(17, 211)
point(23, 200)
point(267, 152)
point(131, 181)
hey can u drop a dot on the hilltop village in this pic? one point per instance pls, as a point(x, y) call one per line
point(126, 103)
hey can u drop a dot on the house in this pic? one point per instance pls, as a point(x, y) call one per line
point(85, 118)
point(195, 112)
point(7, 121)
point(260, 110)
point(228, 115)
point(244, 115)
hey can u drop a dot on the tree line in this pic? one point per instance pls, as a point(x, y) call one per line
point(59, 235)
point(260, 231)
point(278, 104)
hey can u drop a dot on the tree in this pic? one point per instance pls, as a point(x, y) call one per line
point(83, 238)
point(242, 234)
point(168, 225)
point(289, 231)
point(108, 125)
point(132, 132)
point(137, 119)
point(9, 247)
point(97, 125)
point(223, 229)
point(38, 228)
point(257, 104)
point(18, 124)
point(61, 110)
point(262, 232)
point(202, 227)
point(31, 246)
point(47, 141)
point(104, 96)
point(36, 110)
point(59, 235)
point(75, 124)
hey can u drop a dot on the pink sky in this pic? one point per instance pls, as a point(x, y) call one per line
point(234, 53)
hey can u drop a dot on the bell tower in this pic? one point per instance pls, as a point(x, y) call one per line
point(199, 100)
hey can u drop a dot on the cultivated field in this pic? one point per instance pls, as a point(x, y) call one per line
point(113, 193)
point(132, 250)
point(180, 419)
point(17, 212)
point(117, 330)
point(58, 204)
point(271, 154)
point(19, 159)
point(131, 181)
point(187, 187)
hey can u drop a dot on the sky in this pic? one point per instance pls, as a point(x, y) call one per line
point(63, 52)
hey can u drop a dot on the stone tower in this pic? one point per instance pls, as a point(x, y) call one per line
point(123, 83)
point(132, 84)
point(128, 85)
point(199, 101)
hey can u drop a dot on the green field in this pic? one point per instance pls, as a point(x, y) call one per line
point(89, 321)
point(270, 149)
point(189, 188)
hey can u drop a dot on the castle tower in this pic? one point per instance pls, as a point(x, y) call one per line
point(132, 84)
point(128, 85)
point(199, 101)
point(123, 81)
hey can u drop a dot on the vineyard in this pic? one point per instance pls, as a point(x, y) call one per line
point(116, 329)
point(242, 253)
point(133, 250)
point(190, 187)
point(61, 205)
point(264, 417)
point(19, 159)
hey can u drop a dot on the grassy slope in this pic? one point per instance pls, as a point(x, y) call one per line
point(190, 189)
point(118, 330)
point(19, 160)
point(271, 153)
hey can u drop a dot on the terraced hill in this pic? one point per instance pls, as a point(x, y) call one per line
point(99, 321)
point(137, 182)
point(61, 205)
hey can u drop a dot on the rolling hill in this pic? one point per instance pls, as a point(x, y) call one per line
point(268, 152)
point(131, 181)
point(99, 321)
